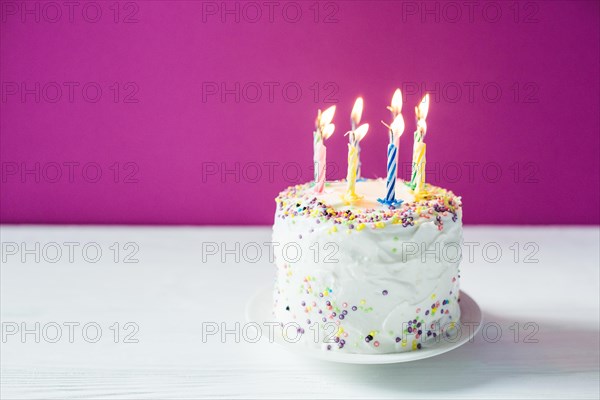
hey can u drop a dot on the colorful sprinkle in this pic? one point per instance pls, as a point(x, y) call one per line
point(300, 200)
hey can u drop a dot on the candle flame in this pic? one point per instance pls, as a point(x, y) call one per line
point(397, 126)
point(328, 131)
point(357, 111)
point(361, 132)
point(423, 107)
point(327, 116)
point(396, 106)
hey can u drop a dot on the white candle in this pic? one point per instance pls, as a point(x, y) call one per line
point(323, 130)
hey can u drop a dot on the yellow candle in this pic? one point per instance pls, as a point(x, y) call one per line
point(419, 161)
point(417, 182)
point(355, 137)
point(355, 117)
point(352, 164)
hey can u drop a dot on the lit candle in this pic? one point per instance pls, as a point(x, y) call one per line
point(395, 131)
point(323, 130)
point(417, 182)
point(355, 137)
point(355, 117)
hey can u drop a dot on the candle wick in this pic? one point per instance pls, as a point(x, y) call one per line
point(390, 131)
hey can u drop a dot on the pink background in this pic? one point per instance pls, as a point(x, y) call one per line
point(172, 142)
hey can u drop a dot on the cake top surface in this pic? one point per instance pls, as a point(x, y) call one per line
point(301, 200)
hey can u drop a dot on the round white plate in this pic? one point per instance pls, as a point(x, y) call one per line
point(259, 308)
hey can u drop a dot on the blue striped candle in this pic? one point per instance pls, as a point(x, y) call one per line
point(392, 164)
point(390, 184)
point(395, 131)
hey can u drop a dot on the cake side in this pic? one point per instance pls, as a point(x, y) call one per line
point(366, 278)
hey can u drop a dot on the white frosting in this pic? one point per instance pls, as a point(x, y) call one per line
point(392, 274)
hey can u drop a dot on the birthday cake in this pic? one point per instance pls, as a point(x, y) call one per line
point(364, 278)
point(359, 273)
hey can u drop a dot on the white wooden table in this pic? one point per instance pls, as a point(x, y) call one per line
point(170, 292)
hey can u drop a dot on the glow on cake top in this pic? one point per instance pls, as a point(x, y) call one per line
point(329, 207)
